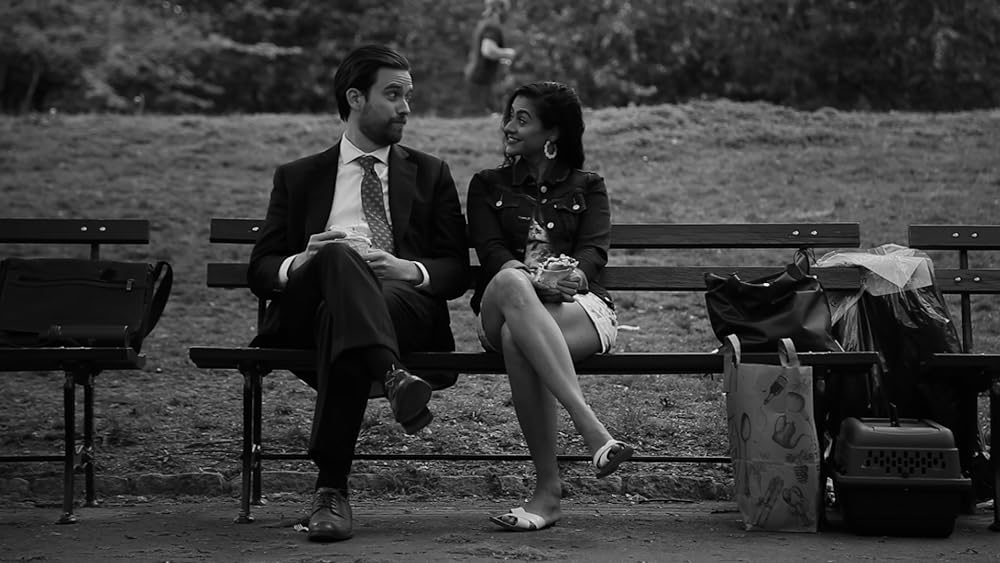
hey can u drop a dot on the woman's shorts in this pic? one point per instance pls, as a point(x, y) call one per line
point(600, 313)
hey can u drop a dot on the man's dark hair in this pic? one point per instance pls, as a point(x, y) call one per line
point(558, 106)
point(358, 70)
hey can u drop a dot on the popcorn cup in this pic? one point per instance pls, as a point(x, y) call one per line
point(550, 277)
point(358, 243)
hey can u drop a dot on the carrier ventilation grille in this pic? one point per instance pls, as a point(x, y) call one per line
point(905, 462)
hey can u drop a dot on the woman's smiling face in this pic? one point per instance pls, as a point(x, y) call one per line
point(524, 133)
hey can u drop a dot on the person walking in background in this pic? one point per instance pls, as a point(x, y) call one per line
point(541, 227)
point(486, 56)
point(362, 246)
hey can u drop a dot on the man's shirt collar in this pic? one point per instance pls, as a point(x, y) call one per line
point(349, 152)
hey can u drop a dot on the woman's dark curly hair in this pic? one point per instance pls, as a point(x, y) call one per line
point(558, 106)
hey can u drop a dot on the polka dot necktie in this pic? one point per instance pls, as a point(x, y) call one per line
point(373, 206)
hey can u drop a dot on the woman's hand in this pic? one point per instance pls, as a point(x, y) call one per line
point(565, 289)
point(549, 294)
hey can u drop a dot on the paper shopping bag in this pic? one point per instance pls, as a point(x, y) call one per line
point(773, 441)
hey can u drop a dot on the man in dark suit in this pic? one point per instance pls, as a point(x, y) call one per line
point(361, 285)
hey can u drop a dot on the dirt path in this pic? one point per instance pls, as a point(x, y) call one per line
point(167, 530)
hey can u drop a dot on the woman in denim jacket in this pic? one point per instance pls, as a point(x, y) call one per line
point(540, 207)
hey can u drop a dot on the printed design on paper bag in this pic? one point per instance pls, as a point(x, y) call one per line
point(777, 387)
point(797, 504)
point(784, 429)
point(766, 504)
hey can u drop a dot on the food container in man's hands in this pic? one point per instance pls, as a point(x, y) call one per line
point(358, 237)
point(898, 477)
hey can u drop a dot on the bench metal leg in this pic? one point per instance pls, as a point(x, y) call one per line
point(69, 447)
point(87, 455)
point(258, 401)
point(994, 453)
point(250, 476)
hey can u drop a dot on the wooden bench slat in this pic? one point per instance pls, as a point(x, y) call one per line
point(736, 235)
point(971, 281)
point(58, 359)
point(954, 237)
point(235, 231)
point(478, 362)
point(78, 231)
point(965, 363)
point(233, 275)
point(653, 236)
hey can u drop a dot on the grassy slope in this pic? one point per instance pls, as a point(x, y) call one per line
point(698, 162)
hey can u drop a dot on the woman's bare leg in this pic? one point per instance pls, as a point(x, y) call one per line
point(545, 339)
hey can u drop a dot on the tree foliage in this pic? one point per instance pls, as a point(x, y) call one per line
point(272, 56)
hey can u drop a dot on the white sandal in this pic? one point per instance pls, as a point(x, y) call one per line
point(524, 521)
point(609, 456)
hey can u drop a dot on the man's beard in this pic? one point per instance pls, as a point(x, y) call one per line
point(382, 134)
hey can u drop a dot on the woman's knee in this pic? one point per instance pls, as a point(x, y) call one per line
point(509, 287)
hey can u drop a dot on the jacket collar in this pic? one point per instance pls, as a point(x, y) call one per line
point(521, 172)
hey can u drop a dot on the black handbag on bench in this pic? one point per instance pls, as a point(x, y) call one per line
point(787, 304)
point(79, 302)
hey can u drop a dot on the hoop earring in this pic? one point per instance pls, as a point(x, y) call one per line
point(550, 149)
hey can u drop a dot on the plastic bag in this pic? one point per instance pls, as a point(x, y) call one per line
point(900, 313)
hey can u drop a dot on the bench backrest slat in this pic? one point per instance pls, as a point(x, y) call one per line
point(74, 231)
point(954, 237)
point(736, 235)
point(233, 275)
point(965, 280)
point(636, 236)
point(653, 236)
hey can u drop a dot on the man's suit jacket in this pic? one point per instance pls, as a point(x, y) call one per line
point(427, 224)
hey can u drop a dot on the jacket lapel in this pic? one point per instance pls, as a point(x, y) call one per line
point(402, 189)
point(321, 187)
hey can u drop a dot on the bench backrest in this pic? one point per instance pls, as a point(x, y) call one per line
point(635, 237)
point(93, 232)
point(965, 280)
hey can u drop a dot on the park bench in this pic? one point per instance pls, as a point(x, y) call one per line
point(967, 280)
point(703, 239)
point(79, 365)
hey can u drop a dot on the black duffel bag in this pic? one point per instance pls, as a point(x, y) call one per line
point(79, 302)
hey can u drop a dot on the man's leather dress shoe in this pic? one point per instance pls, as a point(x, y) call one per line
point(331, 516)
point(408, 396)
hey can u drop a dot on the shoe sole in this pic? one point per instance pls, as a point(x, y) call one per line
point(327, 538)
point(411, 400)
point(623, 455)
point(419, 422)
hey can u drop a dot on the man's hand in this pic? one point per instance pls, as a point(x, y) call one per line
point(316, 242)
point(389, 267)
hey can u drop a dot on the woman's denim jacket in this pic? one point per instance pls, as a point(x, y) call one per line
point(574, 209)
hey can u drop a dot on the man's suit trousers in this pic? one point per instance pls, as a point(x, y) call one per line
point(336, 302)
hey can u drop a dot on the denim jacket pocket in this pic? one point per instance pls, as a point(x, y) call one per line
point(567, 211)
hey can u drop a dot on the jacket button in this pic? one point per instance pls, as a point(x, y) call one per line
point(551, 225)
point(545, 200)
point(543, 189)
point(576, 206)
point(499, 202)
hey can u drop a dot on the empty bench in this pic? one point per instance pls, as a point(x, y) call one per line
point(255, 363)
point(79, 365)
point(967, 280)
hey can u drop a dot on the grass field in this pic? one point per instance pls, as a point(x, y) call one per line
point(699, 162)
